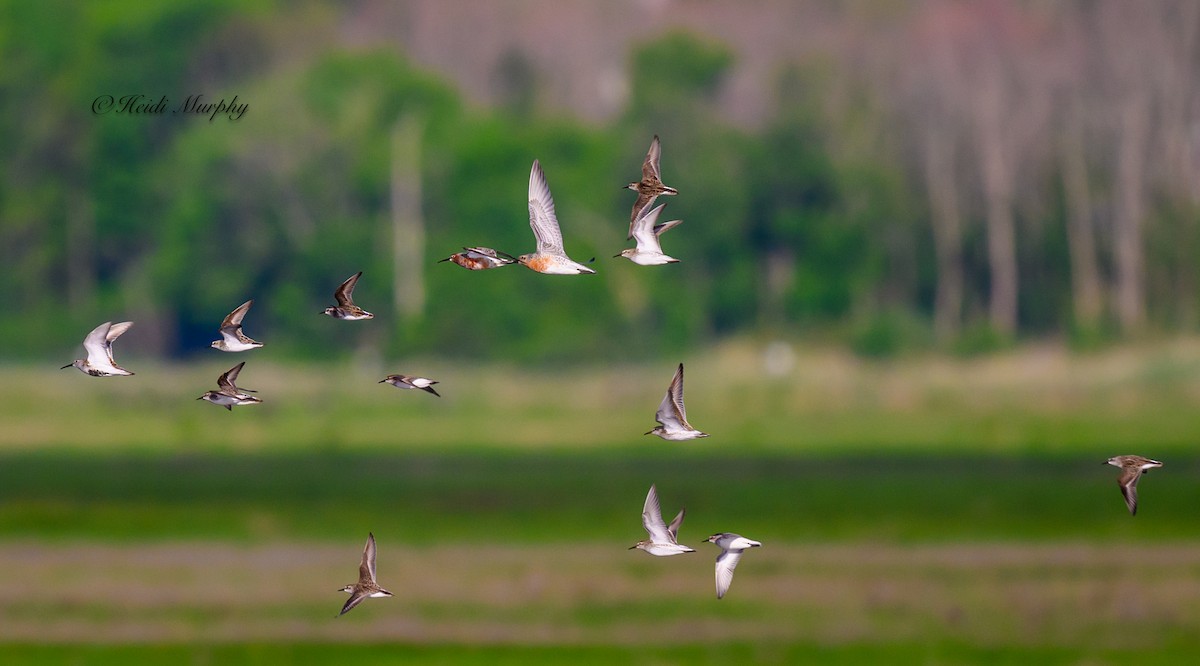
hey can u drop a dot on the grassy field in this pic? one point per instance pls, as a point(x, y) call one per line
point(923, 511)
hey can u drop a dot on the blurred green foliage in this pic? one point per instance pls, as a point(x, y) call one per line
point(806, 225)
point(173, 221)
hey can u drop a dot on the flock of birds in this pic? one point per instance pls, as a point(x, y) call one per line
point(549, 257)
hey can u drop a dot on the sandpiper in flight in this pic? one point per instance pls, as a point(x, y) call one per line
point(228, 394)
point(732, 545)
point(366, 585)
point(648, 251)
point(650, 186)
point(232, 338)
point(550, 256)
point(407, 382)
point(345, 308)
point(98, 345)
point(1132, 469)
point(663, 539)
point(672, 415)
point(480, 258)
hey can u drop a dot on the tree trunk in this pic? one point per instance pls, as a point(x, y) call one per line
point(1086, 289)
point(1130, 209)
point(408, 228)
point(947, 234)
point(998, 192)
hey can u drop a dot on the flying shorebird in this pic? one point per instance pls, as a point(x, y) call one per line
point(650, 186)
point(408, 382)
point(672, 415)
point(228, 394)
point(732, 545)
point(1132, 469)
point(232, 338)
point(366, 585)
point(345, 308)
point(480, 258)
point(98, 345)
point(550, 256)
point(648, 251)
point(663, 538)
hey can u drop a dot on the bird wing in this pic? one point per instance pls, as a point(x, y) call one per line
point(673, 528)
point(366, 569)
point(504, 256)
point(114, 332)
point(727, 561)
point(644, 201)
point(343, 293)
point(643, 229)
point(356, 598)
point(233, 320)
point(652, 518)
point(541, 213)
point(650, 168)
point(226, 381)
point(96, 344)
point(489, 253)
point(660, 229)
point(671, 410)
point(1128, 482)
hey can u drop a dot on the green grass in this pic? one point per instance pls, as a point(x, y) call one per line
point(1027, 403)
point(586, 496)
point(931, 511)
point(932, 654)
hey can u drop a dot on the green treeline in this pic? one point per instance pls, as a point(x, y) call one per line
point(865, 210)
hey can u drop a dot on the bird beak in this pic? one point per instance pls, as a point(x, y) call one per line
point(382, 381)
point(649, 432)
point(200, 398)
point(632, 547)
point(616, 256)
point(67, 366)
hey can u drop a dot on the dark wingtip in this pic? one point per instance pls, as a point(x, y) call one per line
point(430, 389)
